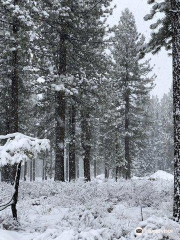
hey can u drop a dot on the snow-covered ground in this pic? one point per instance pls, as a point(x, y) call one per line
point(162, 175)
point(99, 210)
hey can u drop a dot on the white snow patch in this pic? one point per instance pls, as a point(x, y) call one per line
point(8, 235)
point(40, 80)
point(162, 175)
point(101, 177)
point(59, 87)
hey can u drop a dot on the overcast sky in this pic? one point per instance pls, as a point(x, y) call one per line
point(162, 62)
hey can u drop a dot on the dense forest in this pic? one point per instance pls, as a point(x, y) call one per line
point(86, 88)
point(81, 133)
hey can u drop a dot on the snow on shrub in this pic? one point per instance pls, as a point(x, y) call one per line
point(20, 147)
point(94, 210)
point(157, 228)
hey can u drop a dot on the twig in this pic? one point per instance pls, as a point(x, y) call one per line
point(142, 214)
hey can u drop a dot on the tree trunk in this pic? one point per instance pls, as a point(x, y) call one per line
point(6, 170)
point(51, 164)
point(60, 136)
point(44, 169)
point(86, 143)
point(5, 174)
point(127, 142)
point(60, 115)
point(106, 171)
point(72, 145)
point(25, 171)
point(15, 88)
point(117, 172)
point(95, 167)
point(34, 169)
point(176, 94)
point(15, 77)
point(105, 156)
point(67, 159)
point(31, 172)
point(77, 168)
point(16, 189)
point(117, 160)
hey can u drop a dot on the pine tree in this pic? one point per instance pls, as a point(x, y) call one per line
point(166, 113)
point(132, 83)
point(149, 158)
point(72, 145)
point(71, 39)
point(175, 17)
point(16, 26)
point(170, 34)
point(163, 36)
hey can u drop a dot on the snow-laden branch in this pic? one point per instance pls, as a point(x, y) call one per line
point(12, 135)
point(20, 147)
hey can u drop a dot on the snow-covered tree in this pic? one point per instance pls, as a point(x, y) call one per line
point(161, 35)
point(167, 136)
point(15, 34)
point(167, 35)
point(157, 151)
point(18, 149)
point(132, 84)
point(69, 47)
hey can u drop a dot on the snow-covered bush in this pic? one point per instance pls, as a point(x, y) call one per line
point(20, 147)
point(132, 192)
point(91, 211)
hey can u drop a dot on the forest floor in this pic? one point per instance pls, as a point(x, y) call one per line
point(98, 210)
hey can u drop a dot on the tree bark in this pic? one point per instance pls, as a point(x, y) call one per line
point(5, 174)
point(60, 115)
point(105, 156)
point(77, 168)
point(67, 159)
point(44, 169)
point(127, 142)
point(15, 88)
point(175, 5)
point(86, 143)
point(117, 172)
point(51, 164)
point(117, 162)
point(16, 190)
point(34, 169)
point(106, 171)
point(25, 171)
point(95, 168)
point(72, 145)
point(15, 77)
point(5, 170)
point(31, 172)
point(127, 108)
